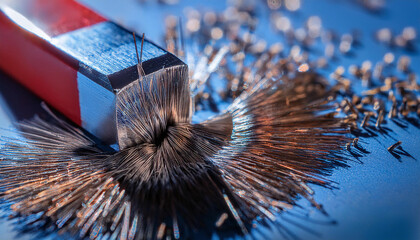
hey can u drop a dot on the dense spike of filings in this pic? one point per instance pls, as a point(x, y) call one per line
point(172, 177)
point(282, 139)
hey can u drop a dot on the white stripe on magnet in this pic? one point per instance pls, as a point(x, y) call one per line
point(97, 109)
